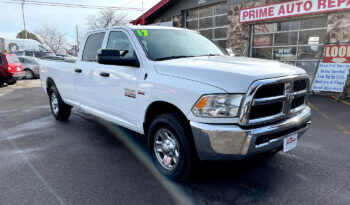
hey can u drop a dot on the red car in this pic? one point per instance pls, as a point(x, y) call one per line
point(11, 69)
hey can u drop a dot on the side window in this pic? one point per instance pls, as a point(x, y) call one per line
point(119, 41)
point(29, 53)
point(22, 60)
point(38, 54)
point(21, 53)
point(92, 45)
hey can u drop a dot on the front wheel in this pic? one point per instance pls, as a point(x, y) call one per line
point(59, 109)
point(171, 148)
point(1, 82)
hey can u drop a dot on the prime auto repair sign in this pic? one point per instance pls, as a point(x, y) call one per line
point(291, 8)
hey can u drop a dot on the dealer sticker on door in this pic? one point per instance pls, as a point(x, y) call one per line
point(290, 142)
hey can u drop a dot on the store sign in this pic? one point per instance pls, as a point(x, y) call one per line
point(333, 72)
point(331, 77)
point(262, 40)
point(291, 8)
point(337, 54)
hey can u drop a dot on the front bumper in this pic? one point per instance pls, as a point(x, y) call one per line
point(232, 142)
point(18, 75)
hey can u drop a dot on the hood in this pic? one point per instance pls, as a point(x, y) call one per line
point(232, 74)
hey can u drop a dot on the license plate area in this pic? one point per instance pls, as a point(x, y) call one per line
point(290, 142)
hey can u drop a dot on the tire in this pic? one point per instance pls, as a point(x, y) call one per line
point(1, 82)
point(28, 74)
point(59, 109)
point(171, 146)
point(11, 82)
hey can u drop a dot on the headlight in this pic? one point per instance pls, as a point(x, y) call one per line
point(223, 105)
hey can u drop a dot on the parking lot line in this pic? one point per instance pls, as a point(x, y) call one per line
point(343, 101)
point(325, 116)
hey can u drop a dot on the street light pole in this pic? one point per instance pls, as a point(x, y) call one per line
point(24, 21)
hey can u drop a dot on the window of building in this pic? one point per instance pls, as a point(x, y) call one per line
point(209, 21)
point(92, 45)
point(297, 42)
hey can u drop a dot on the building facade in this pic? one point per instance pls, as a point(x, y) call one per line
point(295, 34)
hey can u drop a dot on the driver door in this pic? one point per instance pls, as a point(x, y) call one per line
point(119, 84)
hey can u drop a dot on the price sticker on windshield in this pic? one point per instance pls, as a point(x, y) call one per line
point(142, 33)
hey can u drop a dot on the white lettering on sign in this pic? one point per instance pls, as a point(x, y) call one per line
point(337, 54)
point(291, 8)
point(331, 77)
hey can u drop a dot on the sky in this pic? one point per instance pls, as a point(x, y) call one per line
point(65, 18)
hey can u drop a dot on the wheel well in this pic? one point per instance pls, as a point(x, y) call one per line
point(158, 108)
point(49, 84)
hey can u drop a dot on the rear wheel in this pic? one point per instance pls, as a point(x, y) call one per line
point(59, 109)
point(170, 146)
point(28, 74)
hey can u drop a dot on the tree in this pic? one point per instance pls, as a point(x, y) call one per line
point(52, 36)
point(106, 18)
point(30, 35)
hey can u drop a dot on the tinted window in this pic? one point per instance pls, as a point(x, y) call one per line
point(38, 54)
point(22, 60)
point(29, 53)
point(119, 41)
point(12, 59)
point(92, 45)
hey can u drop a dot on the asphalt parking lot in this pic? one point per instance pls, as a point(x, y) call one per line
point(89, 161)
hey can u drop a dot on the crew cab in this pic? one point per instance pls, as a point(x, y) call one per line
point(11, 69)
point(184, 93)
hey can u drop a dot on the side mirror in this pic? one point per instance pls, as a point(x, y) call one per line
point(112, 57)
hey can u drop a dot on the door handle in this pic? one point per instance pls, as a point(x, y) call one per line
point(78, 70)
point(104, 74)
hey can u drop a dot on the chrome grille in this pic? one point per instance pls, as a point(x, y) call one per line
point(274, 99)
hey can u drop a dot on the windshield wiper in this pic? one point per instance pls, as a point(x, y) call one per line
point(172, 57)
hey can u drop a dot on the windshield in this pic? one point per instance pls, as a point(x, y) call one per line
point(163, 44)
point(12, 59)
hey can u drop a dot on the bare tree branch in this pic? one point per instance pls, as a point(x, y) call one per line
point(52, 36)
point(106, 18)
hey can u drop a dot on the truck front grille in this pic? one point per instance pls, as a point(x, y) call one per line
point(274, 99)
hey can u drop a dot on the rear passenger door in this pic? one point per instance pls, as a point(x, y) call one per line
point(86, 76)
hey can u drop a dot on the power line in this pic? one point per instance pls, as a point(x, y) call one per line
point(55, 4)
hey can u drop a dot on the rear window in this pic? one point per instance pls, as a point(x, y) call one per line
point(12, 59)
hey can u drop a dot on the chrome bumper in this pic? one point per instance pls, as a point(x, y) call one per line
point(232, 142)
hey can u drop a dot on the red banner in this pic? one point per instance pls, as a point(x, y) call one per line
point(337, 54)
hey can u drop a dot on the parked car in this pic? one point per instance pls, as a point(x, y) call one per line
point(30, 66)
point(189, 97)
point(11, 69)
point(36, 54)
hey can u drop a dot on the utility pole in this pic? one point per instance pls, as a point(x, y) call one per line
point(77, 47)
point(24, 21)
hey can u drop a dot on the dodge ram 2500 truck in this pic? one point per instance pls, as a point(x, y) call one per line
point(185, 94)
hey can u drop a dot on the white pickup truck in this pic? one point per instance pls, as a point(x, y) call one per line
point(185, 94)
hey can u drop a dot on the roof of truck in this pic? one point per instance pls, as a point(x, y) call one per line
point(142, 27)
